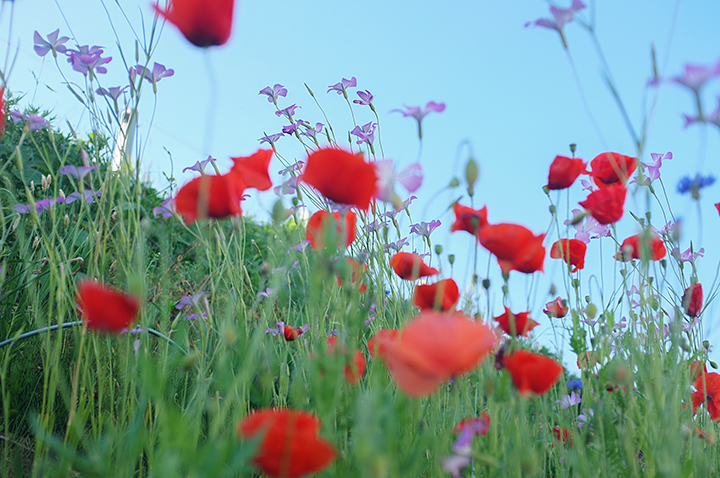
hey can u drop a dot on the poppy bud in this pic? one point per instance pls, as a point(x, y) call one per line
point(590, 311)
point(471, 172)
point(573, 148)
point(553, 289)
point(706, 344)
point(692, 301)
point(451, 259)
point(713, 365)
point(454, 182)
point(438, 249)
point(486, 284)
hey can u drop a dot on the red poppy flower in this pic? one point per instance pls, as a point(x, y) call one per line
point(354, 370)
point(571, 251)
point(631, 248)
point(516, 324)
point(357, 272)
point(532, 372)
point(708, 392)
point(479, 425)
point(606, 204)
point(515, 247)
point(322, 223)
point(292, 333)
point(341, 177)
point(210, 196)
point(468, 219)
point(203, 22)
point(610, 168)
point(563, 435)
point(105, 309)
point(411, 266)
point(586, 360)
point(693, 300)
point(290, 446)
point(442, 295)
point(564, 171)
point(433, 348)
point(374, 345)
point(556, 308)
point(2, 111)
point(254, 169)
point(717, 206)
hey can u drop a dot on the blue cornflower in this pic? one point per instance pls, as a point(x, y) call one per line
point(693, 186)
point(574, 384)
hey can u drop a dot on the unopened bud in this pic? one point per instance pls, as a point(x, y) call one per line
point(471, 172)
point(67, 220)
point(471, 191)
point(706, 344)
point(552, 209)
point(590, 311)
point(553, 289)
point(438, 249)
point(486, 284)
point(573, 148)
point(713, 365)
point(451, 259)
point(454, 182)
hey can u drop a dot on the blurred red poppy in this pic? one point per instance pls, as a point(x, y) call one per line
point(571, 251)
point(556, 308)
point(468, 219)
point(442, 295)
point(254, 169)
point(516, 324)
point(707, 387)
point(411, 266)
point(610, 168)
point(532, 372)
point(631, 248)
point(564, 171)
point(292, 333)
point(289, 443)
point(606, 204)
point(210, 196)
point(586, 360)
point(354, 370)
point(717, 206)
point(515, 247)
point(203, 22)
point(433, 348)
point(105, 309)
point(323, 223)
point(374, 345)
point(356, 274)
point(563, 435)
point(341, 177)
point(479, 425)
point(692, 301)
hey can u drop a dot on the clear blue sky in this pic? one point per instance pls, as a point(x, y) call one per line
point(510, 91)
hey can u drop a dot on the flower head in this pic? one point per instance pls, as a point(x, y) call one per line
point(374, 343)
point(692, 301)
point(571, 251)
point(203, 22)
point(515, 247)
point(105, 309)
point(211, 196)
point(519, 324)
point(419, 113)
point(469, 219)
point(653, 169)
point(365, 133)
point(78, 171)
point(411, 178)
point(564, 171)
point(254, 169)
point(424, 228)
point(355, 367)
point(567, 401)
point(342, 86)
point(556, 308)
point(532, 372)
point(694, 185)
point(113, 92)
point(323, 224)
point(366, 98)
point(695, 76)
point(560, 18)
point(606, 205)
point(632, 248)
point(88, 60)
point(157, 73)
point(442, 295)
point(274, 93)
point(611, 168)
point(410, 266)
point(53, 43)
point(341, 177)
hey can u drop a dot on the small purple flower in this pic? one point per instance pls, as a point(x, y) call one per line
point(311, 132)
point(713, 118)
point(165, 209)
point(588, 228)
point(366, 98)
point(588, 186)
point(157, 73)
point(376, 225)
point(37, 122)
point(290, 129)
point(267, 293)
point(88, 195)
point(397, 245)
point(341, 87)
point(22, 208)
point(411, 177)
point(278, 330)
point(300, 247)
point(695, 76)
point(424, 228)
point(694, 185)
point(567, 401)
point(271, 139)
point(113, 92)
point(288, 187)
point(560, 18)
point(78, 171)
point(653, 169)
point(688, 255)
point(287, 112)
point(16, 117)
point(191, 301)
point(199, 166)
point(365, 133)
point(88, 59)
point(420, 113)
point(53, 43)
point(294, 168)
point(584, 417)
point(274, 92)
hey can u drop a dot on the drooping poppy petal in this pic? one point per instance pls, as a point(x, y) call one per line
point(355, 368)
point(105, 309)
point(516, 324)
point(556, 308)
point(571, 251)
point(356, 274)
point(254, 169)
point(532, 372)
point(341, 177)
point(631, 248)
point(515, 247)
point(692, 301)
point(433, 348)
point(203, 22)
point(468, 219)
point(564, 171)
point(708, 392)
point(442, 295)
point(290, 446)
point(374, 345)
point(606, 204)
point(611, 168)
point(410, 266)
point(324, 223)
point(210, 196)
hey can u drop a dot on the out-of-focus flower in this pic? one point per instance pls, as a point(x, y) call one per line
point(411, 178)
point(575, 384)
point(199, 166)
point(692, 301)
point(694, 185)
point(560, 18)
point(78, 171)
point(374, 346)
point(274, 93)
point(271, 139)
point(564, 171)
point(365, 133)
point(571, 251)
point(695, 76)
point(165, 209)
point(342, 86)
point(191, 300)
point(469, 219)
point(607, 204)
point(341, 177)
point(207, 196)
point(88, 60)
point(254, 169)
point(410, 266)
point(355, 367)
point(424, 228)
point(556, 308)
point(584, 417)
point(204, 23)
point(16, 116)
point(442, 295)
point(688, 255)
point(53, 43)
point(515, 247)
point(567, 401)
point(631, 248)
point(713, 118)
point(419, 113)
point(324, 223)
point(707, 387)
point(397, 245)
point(519, 324)
point(366, 98)
point(532, 372)
point(113, 92)
point(105, 309)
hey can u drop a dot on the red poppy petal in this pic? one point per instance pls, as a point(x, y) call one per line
point(210, 196)
point(105, 309)
point(532, 372)
point(564, 171)
point(410, 266)
point(442, 295)
point(341, 177)
point(319, 225)
point(204, 23)
point(254, 169)
point(606, 205)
